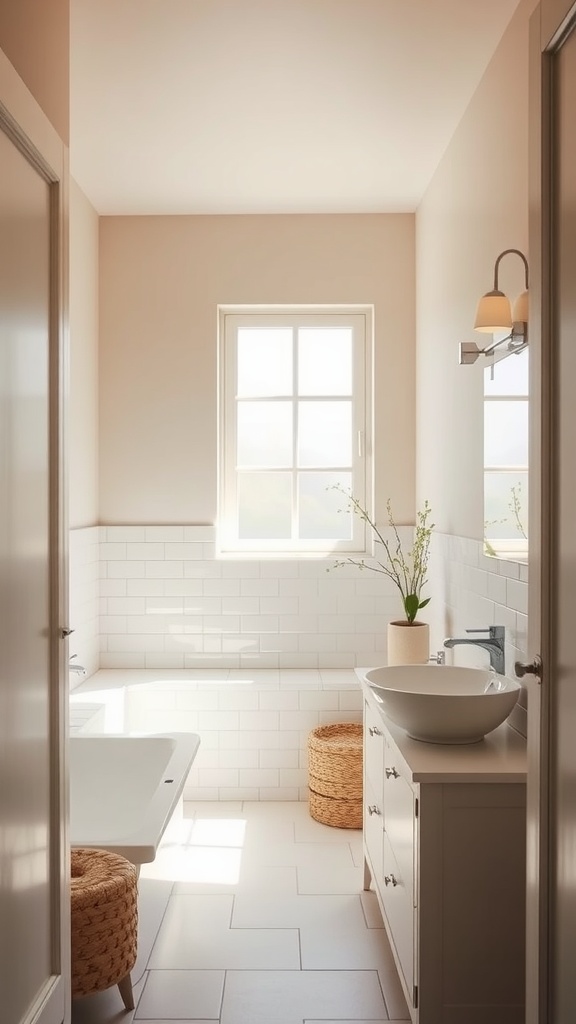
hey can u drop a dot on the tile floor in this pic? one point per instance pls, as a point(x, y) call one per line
point(253, 913)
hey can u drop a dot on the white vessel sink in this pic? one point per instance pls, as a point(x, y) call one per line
point(443, 703)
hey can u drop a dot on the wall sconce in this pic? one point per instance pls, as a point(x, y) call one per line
point(495, 313)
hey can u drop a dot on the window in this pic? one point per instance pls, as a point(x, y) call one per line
point(294, 410)
point(506, 457)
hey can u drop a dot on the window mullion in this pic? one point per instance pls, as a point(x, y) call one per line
point(240, 508)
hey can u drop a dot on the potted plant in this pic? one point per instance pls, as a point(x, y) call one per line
point(408, 639)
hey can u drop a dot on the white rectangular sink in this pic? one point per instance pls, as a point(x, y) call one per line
point(124, 789)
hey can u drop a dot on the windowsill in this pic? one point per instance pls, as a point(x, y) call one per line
point(276, 556)
point(507, 555)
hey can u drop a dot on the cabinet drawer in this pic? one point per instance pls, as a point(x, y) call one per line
point(399, 912)
point(399, 821)
point(373, 749)
point(374, 832)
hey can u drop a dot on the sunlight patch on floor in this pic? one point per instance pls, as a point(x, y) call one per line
point(218, 832)
point(206, 851)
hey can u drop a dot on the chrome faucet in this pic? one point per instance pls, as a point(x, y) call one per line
point(493, 643)
point(78, 670)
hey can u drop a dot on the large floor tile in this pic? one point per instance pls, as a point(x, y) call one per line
point(261, 833)
point(260, 905)
point(105, 1007)
point(342, 948)
point(371, 909)
point(240, 830)
point(280, 879)
point(276, 810)
point(308, 830)
point(330, 878)
point(218, 832)
point(252, 824)
point(393, 995)
point(212, 808)
point(274, 879)
point(327, 857)
point(203, 865)
point(287, 997)
point(153, 897)
point(357, 850)
point(196, 933)
point(333, 930)
point(181, 995)
point(269, 910)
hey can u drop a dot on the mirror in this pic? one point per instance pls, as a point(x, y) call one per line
point(506, 457)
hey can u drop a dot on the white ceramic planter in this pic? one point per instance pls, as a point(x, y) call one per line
point(408, 643)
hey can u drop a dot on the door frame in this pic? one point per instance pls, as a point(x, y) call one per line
point(550, 23)
point(28, 128)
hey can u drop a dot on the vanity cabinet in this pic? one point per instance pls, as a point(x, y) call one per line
point(445, 850)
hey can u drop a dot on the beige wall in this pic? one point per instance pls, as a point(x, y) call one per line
point(161, 279)
point(35, 36)
point(83, 400)
point(475, 206)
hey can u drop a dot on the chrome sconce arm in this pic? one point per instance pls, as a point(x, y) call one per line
point(495, 313)
point(517, 342)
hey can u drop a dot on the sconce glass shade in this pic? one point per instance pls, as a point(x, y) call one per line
point(493, 313)
point(520, 311)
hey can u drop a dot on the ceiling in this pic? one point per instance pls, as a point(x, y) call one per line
point(270, 106)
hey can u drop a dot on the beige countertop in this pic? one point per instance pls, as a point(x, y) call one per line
point(500, 757)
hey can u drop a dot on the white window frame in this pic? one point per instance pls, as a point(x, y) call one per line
point(230, 318)
point(511, 549)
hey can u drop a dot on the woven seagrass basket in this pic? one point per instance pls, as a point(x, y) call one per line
point(335, 774)
point(104, 922)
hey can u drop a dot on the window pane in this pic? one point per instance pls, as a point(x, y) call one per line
point(324, 433)
point(264, 361)
point(294, 390)
point(506, 505)
point(510, 376)
point(325, 361)
point(505, 433)
point(264, 434)
point(319, 507)
point(264, 506)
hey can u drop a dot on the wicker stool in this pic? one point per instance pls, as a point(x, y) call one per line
point(104, 923)
point(335, 775)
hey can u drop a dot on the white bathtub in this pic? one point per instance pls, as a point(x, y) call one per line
point(124, 789)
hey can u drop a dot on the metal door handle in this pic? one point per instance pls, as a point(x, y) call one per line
point(374, 731)
point(391, 773)
point(532, 668)
point(390, 880)
point(65, 631)
point(373, 809)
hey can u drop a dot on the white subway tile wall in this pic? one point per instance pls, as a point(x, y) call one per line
point(86, 597)
point(155, 598)
point(165, 593)
point(478, 591)
point(159, 594)
point(253, 726)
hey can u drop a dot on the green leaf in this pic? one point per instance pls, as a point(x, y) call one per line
point(424, 603)
point(411, 606)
